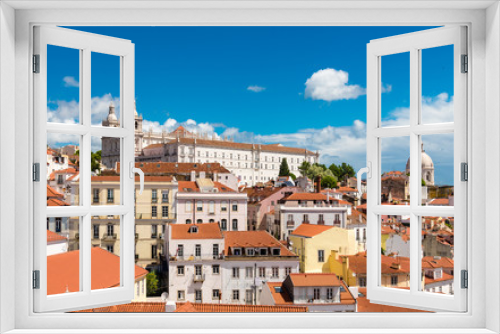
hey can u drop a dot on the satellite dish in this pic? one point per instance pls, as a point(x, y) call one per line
point(164, 296)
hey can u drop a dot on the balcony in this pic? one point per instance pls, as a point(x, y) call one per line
point(95, 200)
point(111, 200)
point(154, 200)
point(109, 237)
point(199, 278)
point(290, 223)
point(321, 222)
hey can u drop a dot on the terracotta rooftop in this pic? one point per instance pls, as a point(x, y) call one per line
point(258, 194)
point(310, 230)
point(135, 307)
point(63, 271)
point(243, 239)
point(192, 187)
point(364, 305)
point(204, 231)
point(307, 197)
point(52, 193)
point(439, 201)
point(53, 237)
point(116, 178)
point(174, 168)
point(347, 189)
point(227, 308)
point(56, 202)
point(390, 265)
point(244, 146)
point(314, 279)
point(436, 262)
point(66, 171)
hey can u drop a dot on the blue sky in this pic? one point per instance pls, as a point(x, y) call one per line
point(300, 86)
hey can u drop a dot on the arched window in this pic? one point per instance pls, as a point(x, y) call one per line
point(188, 221)
point(199, 221)
point(136, 125)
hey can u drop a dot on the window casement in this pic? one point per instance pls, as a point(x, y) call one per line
point(154, 251)
point(180, 270)
point(111, 196)
point(154, 195)
point(199, 206)
point(321, 255)
point(215, 294)
point(154, 211)
point(95, 198)
point(164, 211)
point(216, 269)
point(248, 272)
point(198, 296)
point(235, 225)
point(181, 294)
point(197, 250)
point(275, 272)
point(215, 251)
point(95, 229)
point(223, 224)
point(164, 196)
point(234, 206)
point(180, 250)
point(154, 231)
point(316, 293)
point(329, 293)
point(235, 272)
point(262, 272)
point(419, 129)
point(235, 295)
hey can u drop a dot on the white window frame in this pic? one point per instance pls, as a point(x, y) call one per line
point(15, 45)
point(413, 43)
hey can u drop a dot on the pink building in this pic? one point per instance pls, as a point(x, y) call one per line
point(206, 201)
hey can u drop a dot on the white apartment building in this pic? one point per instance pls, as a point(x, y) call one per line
point(206, 201)
point(321, 292)
point(207, 265)
point(310, 208)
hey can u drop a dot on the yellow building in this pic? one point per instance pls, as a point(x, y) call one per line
point(154, 209)
point(314, 244)
point(352, 269)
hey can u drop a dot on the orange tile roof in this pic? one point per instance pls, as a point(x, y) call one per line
point(347, 189)
point(52, 193)
point(53, 236)
point(310, 230)
point(56, 202)
point(258, 194)
point(72, 177)
point(314, 279)
point(63, 271)
point(66, 171)
point(234, 239)
point(244, 146)
point(390, 265)
point(444, 277)
point(306, 197)
point(174, 168)
point(116, 178)
point(134, 307)
point(205, 231)
point(364, 305)
point(440, 201)
point(239, 308)
point(191, 186)
point(443, 262)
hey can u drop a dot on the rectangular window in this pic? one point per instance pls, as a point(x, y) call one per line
point(95, 198)
point(164, 196)
point(262, 272)
point(154, 251)
point(215, 269)
point(362, 282)
point(110, 248)
point(198, 296)
point(236, 295)
point(235, 206)
point(321, 255)
point(275, 272)
point(329, 293)
point(249, 297)
point(154, 210)
point(394, 280)
point(215, 251)
point(154, 195)
point(235, 224)
point(223, 206)
point(215, 294)
point(111, 196)
point(211, 207)
point(249, 272)
point(199, 206)
point(189, 206)
point(181, 295)
point(198, 270)
point(316, 293)
point(197, 250)
point(236, 272)
point(180, 270)
point(96, 231)
point(164, 211)
point(180, 250)
point(154, 231)
point(58, 224)
point(110, 230)
point(288, 271)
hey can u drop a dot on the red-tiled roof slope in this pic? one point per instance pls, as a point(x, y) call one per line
point(52, 193)
point(116, 178)
point(310, 230)
point(253, 239)
point(191, 186)
point(63, 271)
point(364, 305)
point(390, 265)
point(437, 262)
point(306, 197)
point(172, 168)
point(56, 202)
point(53, 237)
point(204, 231)
point(314, 279)
point(229, 308)
point(440, 201)
point(135, 307)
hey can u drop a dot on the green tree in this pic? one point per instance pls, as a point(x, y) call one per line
point(284, 170)
point(152, 283)
point(292, 175)
point(342, 171)
point(95, 161)
point(328, 182)
point(423, 183)
point(304, 168)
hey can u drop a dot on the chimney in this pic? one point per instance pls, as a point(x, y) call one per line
point(193, 175)
point(170, 306)
point(202, 175)
point(318, 184)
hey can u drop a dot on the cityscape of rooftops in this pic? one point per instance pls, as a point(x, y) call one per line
point(269, 125)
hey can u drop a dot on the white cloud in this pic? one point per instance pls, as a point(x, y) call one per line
point(330, 85)
point(70, 82)
point(386, 88)
point(256, 89)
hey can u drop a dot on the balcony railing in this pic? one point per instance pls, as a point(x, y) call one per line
point(154, 200)
point(321, 222)
point(111, 200)
point(109, 237)
point(199, 278)
point(336, 222)
point(290, 223)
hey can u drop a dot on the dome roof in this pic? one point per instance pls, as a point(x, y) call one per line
point(112, 116)
point(426, 160)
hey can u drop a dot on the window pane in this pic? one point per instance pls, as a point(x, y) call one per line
point(63, 160)
point(63, 255)
point(63, 77)
point(437, 250)
point(105, 90)
point(437, 84)
point(105, 253)
point(395, 169)
point(395, 98)
point(105, 178)
point(438, 169)
point(395, 251)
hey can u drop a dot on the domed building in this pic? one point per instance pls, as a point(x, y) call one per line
point(427, 168)
point(110, 147)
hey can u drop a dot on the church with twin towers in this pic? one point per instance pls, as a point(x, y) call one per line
point(250, 163)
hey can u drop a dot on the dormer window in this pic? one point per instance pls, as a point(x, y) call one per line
point(276, 252)
point(263, 251)
point(193, 229)
point(237, 251)
point(250, 252)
